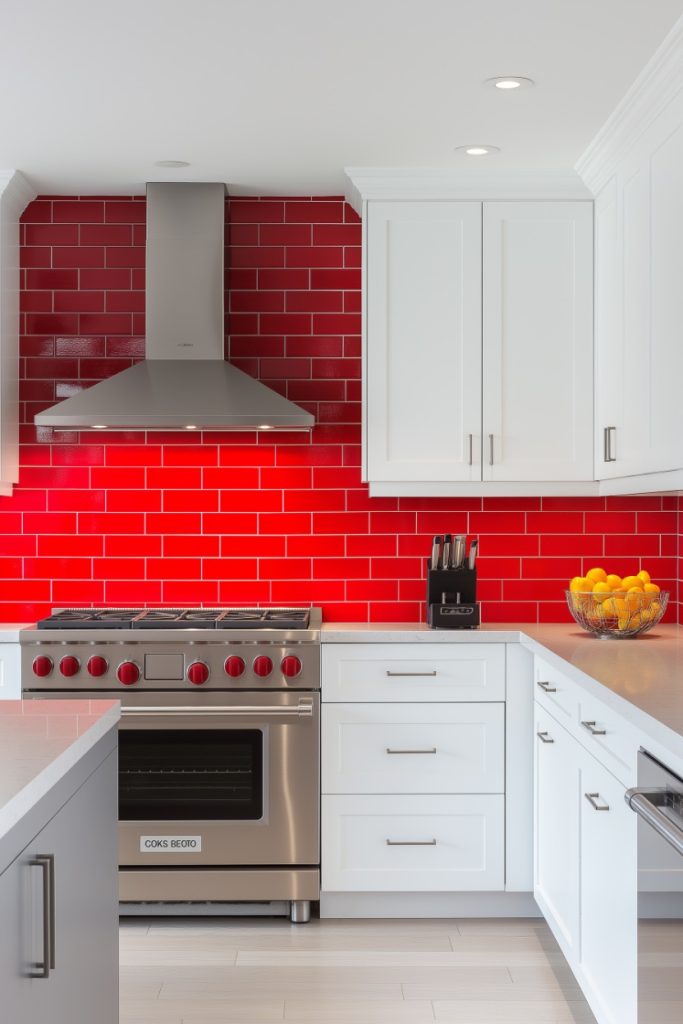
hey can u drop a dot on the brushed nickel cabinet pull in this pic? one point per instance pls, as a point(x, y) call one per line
point(411, 842)
point(545, 686)
point(592, 799)
point(396, 750)
point(390, 673)
point(545, 737)
point(471, 441)
point(593, 730)
point(608, 455)
point(46, 862)
point(490, 449)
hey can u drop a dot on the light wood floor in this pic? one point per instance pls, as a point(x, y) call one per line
point(205, 971)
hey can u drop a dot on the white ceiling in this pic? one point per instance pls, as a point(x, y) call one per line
point(280, 95)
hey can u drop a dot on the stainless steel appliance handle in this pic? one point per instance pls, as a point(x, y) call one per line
point(593, 730)
point(544, 737)
point(546, 687)
point(646, 803)
point(46, 862)
point(430, 750)
point(411, 842)
point(304, 709)
point(592, 799)
point(390, 673)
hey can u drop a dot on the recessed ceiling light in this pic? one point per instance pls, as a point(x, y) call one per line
point(510, 82)
point(264, 426)
point(171, 163)
point(99, 426)
point(479, 150)
point(191, 426)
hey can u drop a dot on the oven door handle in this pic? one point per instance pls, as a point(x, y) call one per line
point(647, 803)
point(304, 709)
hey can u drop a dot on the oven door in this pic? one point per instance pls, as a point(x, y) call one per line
point(223, 779)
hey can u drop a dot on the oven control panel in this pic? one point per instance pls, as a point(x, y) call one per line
point(75, 665)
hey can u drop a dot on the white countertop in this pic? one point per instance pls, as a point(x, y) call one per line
point(9, 631)
point(414, 633)
point(40, 741)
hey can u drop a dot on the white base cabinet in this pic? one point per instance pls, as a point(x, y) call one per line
point(10, 671)
point(585, 842)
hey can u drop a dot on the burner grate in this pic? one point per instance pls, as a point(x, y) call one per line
point(177, 618)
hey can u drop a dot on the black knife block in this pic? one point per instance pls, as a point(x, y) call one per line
point(452, 598)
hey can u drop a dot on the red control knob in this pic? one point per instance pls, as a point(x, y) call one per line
point(97, 666)
point(198, 672)
point(42, 665)
point(263, 666)
point(234, 666)
point(69, 666)
point(290, 666)
point(128, 673)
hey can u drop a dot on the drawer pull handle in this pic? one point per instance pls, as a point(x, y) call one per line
point(411, 842)
point(592, 799)
point(390, 673)
point(396, 750)
point(544, 737)
point(546, 687)
point(593, 730)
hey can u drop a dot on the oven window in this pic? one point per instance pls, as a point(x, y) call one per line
point(180, 775)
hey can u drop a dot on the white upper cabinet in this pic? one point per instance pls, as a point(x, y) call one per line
point(423, 307)
point(635, 169)
point(538, 341)
point(478, 345)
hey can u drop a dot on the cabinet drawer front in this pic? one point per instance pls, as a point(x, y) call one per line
point(413, 672)
point(609, 738)
point(556, 693)
point(403, 748)
point(412, 844)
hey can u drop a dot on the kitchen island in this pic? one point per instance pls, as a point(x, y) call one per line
point(58, 861)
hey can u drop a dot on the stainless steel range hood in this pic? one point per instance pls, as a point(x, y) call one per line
point(184, 381)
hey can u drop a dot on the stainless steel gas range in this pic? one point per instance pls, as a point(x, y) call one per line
point(219, 778)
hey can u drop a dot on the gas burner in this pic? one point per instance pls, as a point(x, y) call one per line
point(265, 618)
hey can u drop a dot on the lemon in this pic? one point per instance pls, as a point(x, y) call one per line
point(629, 582)
point(609, 608)
point(644, 576)
point(651, 588)
point(580, 583)
point(614, 581)
point(596, 575)
point(601, 590)
point(634, 598)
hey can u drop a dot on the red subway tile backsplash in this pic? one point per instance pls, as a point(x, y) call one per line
point(177, 518)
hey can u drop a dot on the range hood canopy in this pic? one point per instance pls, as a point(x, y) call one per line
point(184, 381)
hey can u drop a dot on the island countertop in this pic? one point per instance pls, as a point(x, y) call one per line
point(40, 741)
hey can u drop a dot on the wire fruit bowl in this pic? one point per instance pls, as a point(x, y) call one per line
point(619, 616)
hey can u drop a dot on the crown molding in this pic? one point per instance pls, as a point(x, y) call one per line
point(16, 189)
point(658, 84)
point(437, 183)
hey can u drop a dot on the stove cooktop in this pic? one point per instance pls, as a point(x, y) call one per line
point(177, 618)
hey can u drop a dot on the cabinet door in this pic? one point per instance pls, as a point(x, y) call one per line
point(423, 341)
point(10, 671)
point(82, 839)
point(538, 341)
point(556, 830)
point(609, 357)
point(609, 896)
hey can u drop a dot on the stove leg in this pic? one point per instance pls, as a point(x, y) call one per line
point(300, 911)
